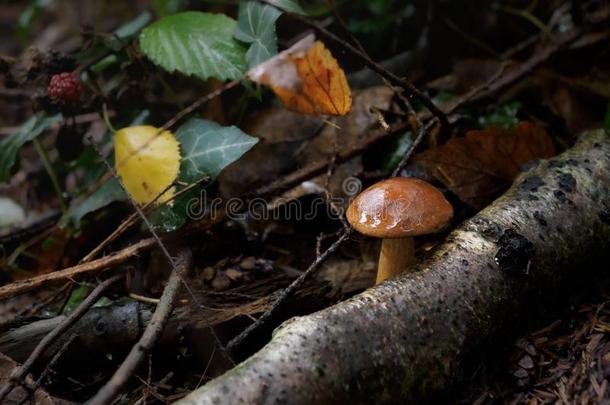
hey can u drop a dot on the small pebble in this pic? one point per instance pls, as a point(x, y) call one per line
point(221, 282)
point(208, 273)
point(234, 274)
point(249, 263)
point(526, 362)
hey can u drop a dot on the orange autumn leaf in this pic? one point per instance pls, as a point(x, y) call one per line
point(307, 78)
point(482, 164)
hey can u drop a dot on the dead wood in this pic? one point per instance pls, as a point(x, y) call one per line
point(409, 337)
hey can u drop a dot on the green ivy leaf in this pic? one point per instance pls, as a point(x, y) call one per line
point(207, 148)
point(29, 130)
point(109, 192)
point(195, 43)
point(289, 6)
point(256, 26)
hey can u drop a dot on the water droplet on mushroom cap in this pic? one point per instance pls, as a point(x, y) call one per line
point(399, 207)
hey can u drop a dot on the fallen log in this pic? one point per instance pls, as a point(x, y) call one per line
point(408, 338)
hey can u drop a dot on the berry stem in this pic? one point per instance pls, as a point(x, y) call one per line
point(49, 168)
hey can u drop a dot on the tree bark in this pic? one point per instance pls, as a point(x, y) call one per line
point(409, 337)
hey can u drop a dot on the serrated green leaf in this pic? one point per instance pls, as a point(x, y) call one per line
point(195, 43)
point(256, 26)
point(289, 6)
point(207, 148)
point(29, 130)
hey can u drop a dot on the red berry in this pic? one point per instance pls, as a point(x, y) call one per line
point(64, 88)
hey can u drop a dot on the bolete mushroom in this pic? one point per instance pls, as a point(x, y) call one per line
point(396, 210)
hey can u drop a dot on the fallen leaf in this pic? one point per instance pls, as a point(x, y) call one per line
point(483, 163)
point(147, 162)
point(307, 78)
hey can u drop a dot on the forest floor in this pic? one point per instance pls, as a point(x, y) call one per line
point(518, 82)
point(563, 358)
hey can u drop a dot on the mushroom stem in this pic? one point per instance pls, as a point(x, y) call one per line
point(395, 256)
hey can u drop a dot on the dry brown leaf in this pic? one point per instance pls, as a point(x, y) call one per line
point(307, 78)
point(483, 163)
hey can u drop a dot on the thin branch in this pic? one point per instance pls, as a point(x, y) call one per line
point(21, 286)
point(423, 129)
point(286, 293)
point(19, 373)
point(116, 384)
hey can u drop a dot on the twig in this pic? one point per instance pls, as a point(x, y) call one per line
point(286, 293)
point(119, 257)
point(53, 361)
point(132, 219)
point(19, 373)
point(377, 68)
point(419, 125)
point(140, 212)
point(153, 330)
point(423, 129)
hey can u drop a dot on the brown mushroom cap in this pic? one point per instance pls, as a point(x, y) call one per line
point(399, 207)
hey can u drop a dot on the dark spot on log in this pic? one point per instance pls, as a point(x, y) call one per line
point(597, 145)
point(567, 182)
point(100, 327)
point(604, 215)
point(514, 253)
point(561, 196)
point(465, 262)
point(540, 218)
point(587, 161)
point(589, 170)
point(559, 229)
point(532, 197)
point(532, 183)
point(487, 228)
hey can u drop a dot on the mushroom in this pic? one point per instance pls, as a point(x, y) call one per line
point(395, 210)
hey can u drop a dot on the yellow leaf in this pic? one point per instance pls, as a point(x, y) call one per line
point(147, 162)
point(307, 78)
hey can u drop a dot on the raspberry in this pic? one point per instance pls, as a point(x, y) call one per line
point(64, 88)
